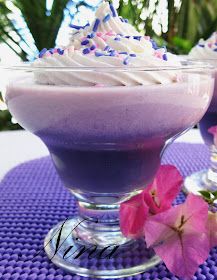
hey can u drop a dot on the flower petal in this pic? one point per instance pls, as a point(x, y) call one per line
point(133, 215)
point(195, 209)
point(176, 237)
point(160, 194)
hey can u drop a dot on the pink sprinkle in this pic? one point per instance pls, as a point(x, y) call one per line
point(47, 54)
point(99, 34)
point(55, 51)
point(158, 54)
point(110, 33)
point(210, 45)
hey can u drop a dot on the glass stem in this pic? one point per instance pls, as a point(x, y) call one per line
point(99, 224)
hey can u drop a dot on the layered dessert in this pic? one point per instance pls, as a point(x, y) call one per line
point(206, 51)
point(106, 104)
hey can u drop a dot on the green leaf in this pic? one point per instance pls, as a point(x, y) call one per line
point(206, 194)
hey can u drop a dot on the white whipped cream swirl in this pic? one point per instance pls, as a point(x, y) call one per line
point(205, 49)
point(108, 42)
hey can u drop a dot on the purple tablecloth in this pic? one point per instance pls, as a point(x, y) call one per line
point(33, 200)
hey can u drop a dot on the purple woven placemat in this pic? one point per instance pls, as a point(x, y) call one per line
point(33, 200)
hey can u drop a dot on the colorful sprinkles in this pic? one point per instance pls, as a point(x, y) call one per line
point(107, 18)
point(42, 52)
point(96, 25)
point(86, 51)
point(126, 60)
point(85, 42)
point(92, 48)
point(114, 14)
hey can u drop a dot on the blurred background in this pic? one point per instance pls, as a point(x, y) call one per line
point(27, 26)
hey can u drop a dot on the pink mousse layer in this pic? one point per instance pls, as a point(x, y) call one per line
point(107, 114)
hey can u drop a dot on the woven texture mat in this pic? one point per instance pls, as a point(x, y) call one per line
point(33, 200)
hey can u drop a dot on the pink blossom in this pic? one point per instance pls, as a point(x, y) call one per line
point(160, 194)
point(180, 237)
point(213, 131)
point(157, 197)
point(133, 215)
point(212, 229)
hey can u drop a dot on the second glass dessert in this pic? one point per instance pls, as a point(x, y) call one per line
point(205, 52)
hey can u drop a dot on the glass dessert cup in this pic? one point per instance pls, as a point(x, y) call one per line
point(106, 143)
point(206, 179)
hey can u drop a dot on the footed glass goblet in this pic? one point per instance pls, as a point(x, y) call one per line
point(106, 144)
point(206, 179)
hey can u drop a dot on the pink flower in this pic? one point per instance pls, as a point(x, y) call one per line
point(180, 237)
point(213, 131)
point(160, 194)
point(157, 197)
point(212, 229)
point(133, 215)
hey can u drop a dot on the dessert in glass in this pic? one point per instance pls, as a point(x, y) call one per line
point(106, 106)
point(205, 52)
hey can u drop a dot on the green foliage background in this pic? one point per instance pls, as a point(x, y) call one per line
point(194, 19)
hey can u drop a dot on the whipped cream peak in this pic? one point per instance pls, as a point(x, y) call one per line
point(109, 41)
point(205, 49)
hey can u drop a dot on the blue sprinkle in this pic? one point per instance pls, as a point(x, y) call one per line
point(92, 47)
point(107, 18)
point(165, 57)
point(117, 39)
point(127, 37)
point(126, 60)
point(77, 27)
point(42, 52)
point(59, 51)
point(121, 19)
point(123, 52)
point(85, 42)
point(154, 44)
point(126, 20)
point(96, 25)
point(216, 43)
point(201, 45)
point(51, 51)
point(106, 48)
point(112, 53)
point(98, 54)
point(113, 10)
point(215, 50)
point(86, 51)
point(137, 37)
point(133, 54)
point(91, 35)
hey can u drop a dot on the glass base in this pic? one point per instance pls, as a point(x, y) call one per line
point(198, 181)
point(66, 250)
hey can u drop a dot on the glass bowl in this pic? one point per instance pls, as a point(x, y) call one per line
point(106, 144)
